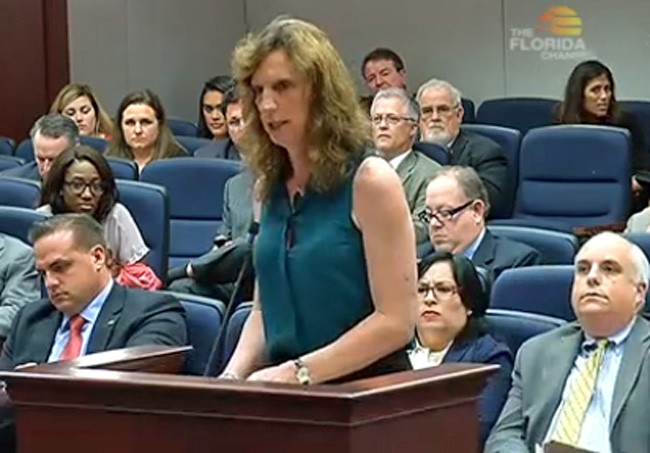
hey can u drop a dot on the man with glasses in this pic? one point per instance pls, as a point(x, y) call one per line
point(394, 117)
point(457, 205)
point(50, 135)
point(441, 114)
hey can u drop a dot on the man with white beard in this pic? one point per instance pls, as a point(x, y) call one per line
point(441, 114)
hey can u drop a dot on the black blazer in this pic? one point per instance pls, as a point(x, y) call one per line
point(129, 317)
point(496, 254)
point(489, 161)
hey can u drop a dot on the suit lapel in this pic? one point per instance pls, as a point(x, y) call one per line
point(458, 149)
point(457, 352)
point(106, 321)
point(634, 351)
point(484, 253)
point(553, 378)
point(406, 166)
point(44, 333)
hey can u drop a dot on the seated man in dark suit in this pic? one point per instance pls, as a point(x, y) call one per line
point(457, 206)
point(86, 312)
point(51, 135)
point(394, 117)
point(441, 114)
point(231, 107)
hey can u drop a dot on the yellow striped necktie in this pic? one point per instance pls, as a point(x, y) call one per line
point(581, 391)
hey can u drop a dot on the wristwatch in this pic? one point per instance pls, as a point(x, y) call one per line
point(303, 375)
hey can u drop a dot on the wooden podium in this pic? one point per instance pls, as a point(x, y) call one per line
point(93, 404)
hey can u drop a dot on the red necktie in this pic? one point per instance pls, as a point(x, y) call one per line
point(73, 348)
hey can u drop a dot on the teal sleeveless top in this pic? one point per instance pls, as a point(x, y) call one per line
point(311, 270)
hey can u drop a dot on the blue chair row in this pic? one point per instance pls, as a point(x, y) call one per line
point(7, 146)
point(25, 149)
point(520, 113)
point(7, 162)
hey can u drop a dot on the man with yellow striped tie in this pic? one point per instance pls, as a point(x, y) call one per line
point(587, 384)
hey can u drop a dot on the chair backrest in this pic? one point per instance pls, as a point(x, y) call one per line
point(233, 331)
point(25, 150)
point(544, 290)
point(7, 146)
point(575, 175)
point(515, 327)
point(204, 321)
point(182, 127)
point(212, 149)
point(19, 192)
point(433, 151)
point(123, 168)
point(149, 206)
point(195, 187)
point(16, 221)
point(191, 144)
point(7, 162)
point(521, 113)
point(641, 112)
point(470, 110)
point(94, 142)
point(510, 141)
point(555, 247)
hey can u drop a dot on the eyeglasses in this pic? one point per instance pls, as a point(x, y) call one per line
point(236, 122)
point(391, 119)
point(443, 110)
point(443, 215)
point(441, 291)
point(78, 187)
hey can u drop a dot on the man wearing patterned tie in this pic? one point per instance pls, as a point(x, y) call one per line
point(587, 384)
point(86, 312)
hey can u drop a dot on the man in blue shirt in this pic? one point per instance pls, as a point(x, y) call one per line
point(86, 312)
point(587, 384)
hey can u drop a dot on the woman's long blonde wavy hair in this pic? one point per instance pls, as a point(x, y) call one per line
point(339, 129)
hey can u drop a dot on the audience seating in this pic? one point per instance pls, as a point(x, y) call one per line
point(25, 150)
point(555, 247)
point(182, 127)
point(515, 327)
point(16, 222)
point(191, 144)
point(433, 151)
point(7, 146)
point(123, 168)
point(470, 110)
point(7, 162)
point(149, 206)
point(204, 321)
point(19, 192)
point(544, 290)
point(641, 112)
point(94, 142)
point(195, 187)
point(574, 176)
point(233, 331)
point(510, 141)
point(521, 113)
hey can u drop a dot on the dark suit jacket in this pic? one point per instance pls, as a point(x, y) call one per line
point(541, 369)
point(222, 149)
point(489, 161)
point(496, 254)
point(485, 349)
point(129, 317)
point(27, 171)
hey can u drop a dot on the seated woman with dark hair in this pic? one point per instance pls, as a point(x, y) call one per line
point(81, 181)
point(450, 328)
point(212, 120)
point(590, 98)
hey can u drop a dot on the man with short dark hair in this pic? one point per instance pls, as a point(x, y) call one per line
point(382, 68)
point(457, 205)
point(51, 135)
point(86, 312)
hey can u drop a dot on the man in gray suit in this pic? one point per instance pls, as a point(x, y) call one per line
point(394, 117)
point(19, 283)
point(604, 355)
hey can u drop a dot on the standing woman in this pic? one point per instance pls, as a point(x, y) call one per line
point(590, 98)
point(141, 133)
point(81, 104)
point(334, 259)
point(212, 122)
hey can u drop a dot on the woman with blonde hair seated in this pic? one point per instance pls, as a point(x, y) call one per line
point(450, 328)
point(141, 133)
point(80, 103)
